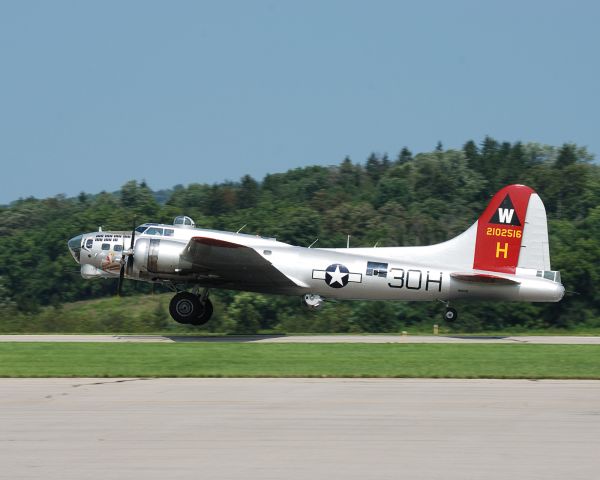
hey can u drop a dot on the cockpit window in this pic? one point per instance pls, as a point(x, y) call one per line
point(89, 243)
point(141, 229)
point(154, 231)
point(169, 232)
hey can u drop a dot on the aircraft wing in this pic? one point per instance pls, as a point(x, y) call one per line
point(484, 278)
point(233, 265)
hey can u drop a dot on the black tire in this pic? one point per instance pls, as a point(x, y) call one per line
point(184, 307)
point(450, 315)
point(206, 311)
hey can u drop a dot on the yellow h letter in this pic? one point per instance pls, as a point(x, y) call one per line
point(499, 250)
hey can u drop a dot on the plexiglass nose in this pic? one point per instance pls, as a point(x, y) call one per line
point(75, 247)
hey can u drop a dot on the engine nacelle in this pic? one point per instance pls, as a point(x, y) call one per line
point(158, 256)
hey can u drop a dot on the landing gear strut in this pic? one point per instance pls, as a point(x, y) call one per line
point(191, 309)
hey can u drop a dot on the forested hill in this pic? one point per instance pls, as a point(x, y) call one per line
point(403, 200)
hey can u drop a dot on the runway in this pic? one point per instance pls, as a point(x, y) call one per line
point(550, 339)
point(298, 429)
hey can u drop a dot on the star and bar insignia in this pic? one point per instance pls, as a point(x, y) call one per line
point(337, 275)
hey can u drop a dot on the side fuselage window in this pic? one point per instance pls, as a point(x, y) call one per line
point(106, 246)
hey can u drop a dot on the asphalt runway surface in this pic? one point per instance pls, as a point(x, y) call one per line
point(298, 429)
point(550, 339)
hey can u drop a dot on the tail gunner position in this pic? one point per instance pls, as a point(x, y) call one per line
point(504, 256)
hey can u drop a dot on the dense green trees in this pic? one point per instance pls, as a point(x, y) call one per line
point(414, 199)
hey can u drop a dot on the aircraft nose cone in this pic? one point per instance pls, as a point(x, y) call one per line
point(75, 247)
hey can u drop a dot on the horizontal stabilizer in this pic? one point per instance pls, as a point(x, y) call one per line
point(485, 278)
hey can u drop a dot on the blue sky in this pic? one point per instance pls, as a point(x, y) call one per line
point(93, 94)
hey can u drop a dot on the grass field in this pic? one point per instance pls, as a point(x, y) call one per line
point(299, 360)
point(148, 314)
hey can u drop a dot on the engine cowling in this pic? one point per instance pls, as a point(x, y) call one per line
point(158, 256)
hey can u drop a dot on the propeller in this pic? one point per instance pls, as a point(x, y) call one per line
point(126, 263)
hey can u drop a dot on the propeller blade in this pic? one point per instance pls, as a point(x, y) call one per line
point(121, 277)
point(122, 270)
point(126, 263)
point(130, 256)
point(133, 234)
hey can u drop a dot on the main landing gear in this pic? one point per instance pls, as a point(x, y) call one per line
point(190, 308)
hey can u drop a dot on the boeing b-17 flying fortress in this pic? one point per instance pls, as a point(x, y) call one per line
point(503, 256)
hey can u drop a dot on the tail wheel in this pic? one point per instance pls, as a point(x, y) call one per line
point(206, 311)
point(450, 314)
point(185, 307)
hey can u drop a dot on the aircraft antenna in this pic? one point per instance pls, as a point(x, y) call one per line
point(376, 243)
point(348, 242)
point(241, 228)
point(313, 243)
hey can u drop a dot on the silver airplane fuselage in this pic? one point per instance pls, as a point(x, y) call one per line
point(387, 273)
point(503, 256)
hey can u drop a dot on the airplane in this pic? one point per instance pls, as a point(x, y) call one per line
point(503, 256)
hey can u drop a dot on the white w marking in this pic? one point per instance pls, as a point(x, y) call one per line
point(505, 214)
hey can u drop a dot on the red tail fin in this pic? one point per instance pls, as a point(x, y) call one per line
point(500, 230)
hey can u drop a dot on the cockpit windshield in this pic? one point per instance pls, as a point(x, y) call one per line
point(154, 229)
point(142, 228)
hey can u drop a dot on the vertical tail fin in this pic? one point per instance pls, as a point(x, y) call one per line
point(512, 232)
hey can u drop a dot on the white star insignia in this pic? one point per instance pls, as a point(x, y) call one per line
point(337, 276)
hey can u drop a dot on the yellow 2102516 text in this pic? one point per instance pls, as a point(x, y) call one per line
point(503, 232)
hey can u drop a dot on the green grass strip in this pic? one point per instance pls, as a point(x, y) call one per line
point(299, 360)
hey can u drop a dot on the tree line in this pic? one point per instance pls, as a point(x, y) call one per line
point(410, 199)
